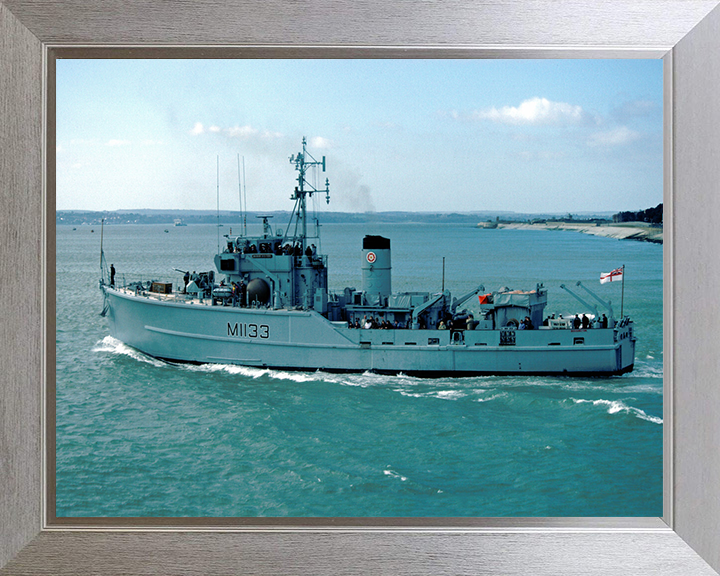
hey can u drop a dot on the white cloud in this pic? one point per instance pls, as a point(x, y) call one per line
point(614, 137)
point(197, 129)
point(241, 131)
point(118, 143)
point(246, 132)
point(268, 134)
point(533, 111)
point(320, 142)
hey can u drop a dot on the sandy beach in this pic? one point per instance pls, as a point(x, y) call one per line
point(625, 231)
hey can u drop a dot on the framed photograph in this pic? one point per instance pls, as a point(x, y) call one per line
point(665, 544)
point(348, 283)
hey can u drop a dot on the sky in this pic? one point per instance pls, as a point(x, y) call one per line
point(530, 136)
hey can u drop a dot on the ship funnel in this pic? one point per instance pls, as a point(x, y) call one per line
point(376, 266)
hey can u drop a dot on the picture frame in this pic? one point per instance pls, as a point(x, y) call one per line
point(686, 540)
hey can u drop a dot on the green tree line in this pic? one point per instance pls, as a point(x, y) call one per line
point(651, 216)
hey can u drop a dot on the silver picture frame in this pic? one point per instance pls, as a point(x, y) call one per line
point(685, 33)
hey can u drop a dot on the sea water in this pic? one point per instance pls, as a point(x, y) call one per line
point(140, 437)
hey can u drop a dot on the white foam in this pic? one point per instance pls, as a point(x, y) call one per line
point(107, 344)
point(299, 377)
point(450, 394)
point(113, 346)
point(641, 389)
point(616, 406)
point(255, 373)
point(489, 398)
point(364, 380)
point(438, 394)
point(410, 394)
point(227, 368)
point(641, 371)
point(394, 474)
point(453, 394)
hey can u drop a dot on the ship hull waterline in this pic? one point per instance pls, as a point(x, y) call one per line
point(303, 340)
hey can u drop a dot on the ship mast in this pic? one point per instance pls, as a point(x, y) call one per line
point(102, 254)
point(303, 162)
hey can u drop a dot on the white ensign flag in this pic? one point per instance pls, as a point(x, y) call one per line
point(613, 276)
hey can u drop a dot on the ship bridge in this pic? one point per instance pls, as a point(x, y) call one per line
point(281, 269)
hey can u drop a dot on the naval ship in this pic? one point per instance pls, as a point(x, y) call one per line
point(267, 304)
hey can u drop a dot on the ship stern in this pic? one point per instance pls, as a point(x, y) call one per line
point(626, 346)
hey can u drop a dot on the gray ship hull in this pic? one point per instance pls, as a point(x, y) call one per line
point(199, 332)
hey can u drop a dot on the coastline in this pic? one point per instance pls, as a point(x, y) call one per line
point(624, 231)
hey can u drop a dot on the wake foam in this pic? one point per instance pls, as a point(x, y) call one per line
point(439, 394)
point(248, 372)
point(112, 346)
point(616, 407)
point(645, 370)
point(641, 389)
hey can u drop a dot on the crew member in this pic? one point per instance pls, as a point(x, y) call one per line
point(243, 292)
point(235, 293)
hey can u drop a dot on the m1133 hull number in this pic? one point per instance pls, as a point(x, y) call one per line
point(242, 330)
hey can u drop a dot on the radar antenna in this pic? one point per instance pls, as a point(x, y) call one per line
point(303, 162)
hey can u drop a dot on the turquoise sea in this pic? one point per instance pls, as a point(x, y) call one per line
point(137, 437)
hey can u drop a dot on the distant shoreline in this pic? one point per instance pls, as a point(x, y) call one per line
point(80, 217)
point(601, 226)
point(622, 231)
